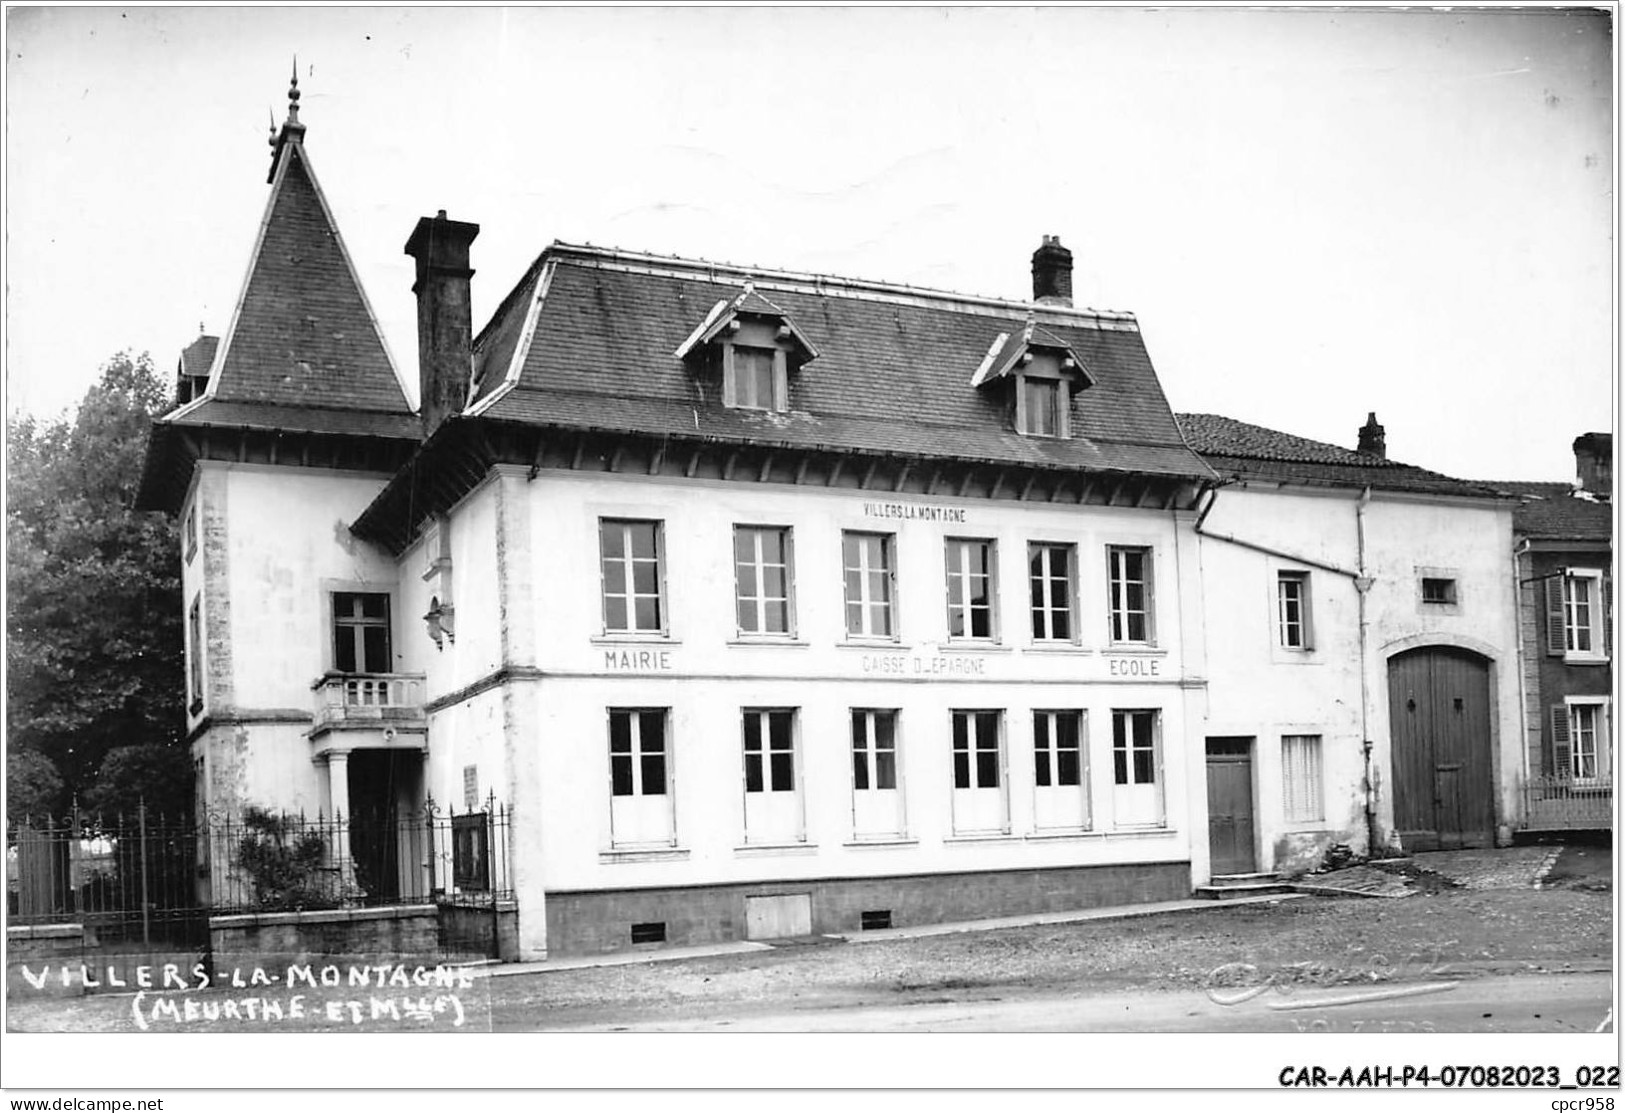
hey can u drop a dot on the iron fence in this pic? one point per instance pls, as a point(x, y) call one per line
point(1563, 803)
point(129, 879)
point(154, 878)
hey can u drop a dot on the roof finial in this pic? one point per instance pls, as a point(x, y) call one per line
point(293, 93)
point(271, 113)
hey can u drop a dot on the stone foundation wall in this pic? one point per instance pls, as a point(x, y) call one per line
point(601, 921)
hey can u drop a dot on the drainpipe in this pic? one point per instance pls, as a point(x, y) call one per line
point(1362, 585)
point(1518, 552)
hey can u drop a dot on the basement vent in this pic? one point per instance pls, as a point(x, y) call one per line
point(649, 933)
point(876, 920)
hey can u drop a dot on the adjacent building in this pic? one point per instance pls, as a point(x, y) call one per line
point(1563, 561)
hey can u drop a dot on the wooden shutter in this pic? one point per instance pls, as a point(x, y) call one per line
point(1307, 612)
point(1607, 615)
point(729, 391)
point(1561, 746)
point(1150, 596)
point(1556, 640)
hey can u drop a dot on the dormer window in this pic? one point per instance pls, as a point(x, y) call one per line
point(754, 378)
point(1043, 373)
point(756, 345)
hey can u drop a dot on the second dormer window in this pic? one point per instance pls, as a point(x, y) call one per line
point(1043, 405)
point(757, 378)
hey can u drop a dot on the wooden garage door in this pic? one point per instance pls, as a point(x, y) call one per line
point(1439, 720)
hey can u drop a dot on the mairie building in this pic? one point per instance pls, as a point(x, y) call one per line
point(771, 603)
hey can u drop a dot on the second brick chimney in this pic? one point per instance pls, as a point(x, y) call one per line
point(1373, 438)
point(1594, 463)
point(1052, 273)
point(445, 316)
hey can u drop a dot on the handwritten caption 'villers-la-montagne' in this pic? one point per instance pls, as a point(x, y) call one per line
point(164, 994)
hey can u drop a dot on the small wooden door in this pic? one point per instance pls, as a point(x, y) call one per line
point(1439, 721)
point(1230, 806)
point(784, 917)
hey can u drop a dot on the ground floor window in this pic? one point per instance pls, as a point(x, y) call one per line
point(773, 810)
point(877, 796)
point(1581, 744)
point(640, 807)
point(1137, 791)
point(1302, 792)
point(980, 804)
point(1060, 770)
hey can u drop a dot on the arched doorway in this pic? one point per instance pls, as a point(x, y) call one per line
point(1439, 723)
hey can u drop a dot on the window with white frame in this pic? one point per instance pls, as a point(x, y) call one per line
point(971, 611)
point(1129, 581)
point(1578, 622)
point(877, 798)
point(1581, 739)
point(1292, 610)
point(773, 812)
point(1060, 770)
point(1302, 792)
point(762, 580)
point(1051, 577)
point(980, 804)
point(633, 583)
point(1137, 796)
point(870, 586)
point(639, 777)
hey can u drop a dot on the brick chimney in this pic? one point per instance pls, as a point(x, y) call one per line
point(1052, 273)
point(1594, 463)
point(1373, 438)
point(445, 316)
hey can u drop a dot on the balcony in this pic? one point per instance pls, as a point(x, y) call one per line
point(1563, 804)
point(388, 705)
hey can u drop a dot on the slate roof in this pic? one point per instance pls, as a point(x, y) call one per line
point(893, 375)
point(303, 339)
point(1551, 512)
point(1237, 449)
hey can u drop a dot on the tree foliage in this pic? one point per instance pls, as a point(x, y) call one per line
point(159, 776)
point(93, 608)
point(33, 787)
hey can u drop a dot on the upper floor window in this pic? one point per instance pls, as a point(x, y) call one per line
point(191, 532)
point(762, 579)
point(1050, 569)
point(1292, 610)
point(1578, 623)
point(634, 600)
point(361, 631)
point(194, 659)
point(1129, 582)
point(870, 596)
point(970, 588)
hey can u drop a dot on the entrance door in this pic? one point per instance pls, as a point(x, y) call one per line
point(1439, 720)
point(1230, 805)
point(383, 784)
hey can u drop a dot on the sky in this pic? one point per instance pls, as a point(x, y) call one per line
point(1313, 214)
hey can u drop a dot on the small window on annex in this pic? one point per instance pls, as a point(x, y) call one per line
point(361, 632)
point(1438, 590)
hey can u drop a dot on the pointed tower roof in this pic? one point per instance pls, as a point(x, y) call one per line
point(303, 336)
